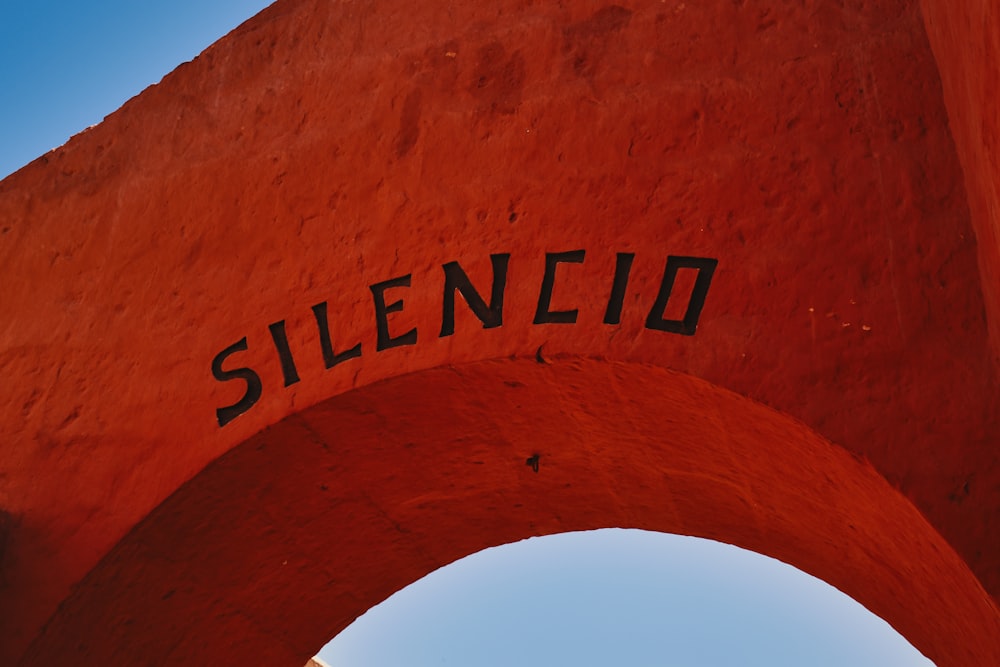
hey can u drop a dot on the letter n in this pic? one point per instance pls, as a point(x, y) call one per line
point(455, 280)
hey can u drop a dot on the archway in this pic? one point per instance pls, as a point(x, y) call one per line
point(249, 250)
point(286, 539)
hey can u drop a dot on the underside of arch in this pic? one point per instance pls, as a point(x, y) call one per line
point(283, 541)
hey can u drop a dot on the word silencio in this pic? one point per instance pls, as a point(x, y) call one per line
point(491, 315)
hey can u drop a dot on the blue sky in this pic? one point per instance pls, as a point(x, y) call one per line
point(620, 597)
point(603, 598)
point(66, 65)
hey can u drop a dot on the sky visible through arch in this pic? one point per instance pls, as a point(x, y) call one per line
point(620, 597)
point(611, 597)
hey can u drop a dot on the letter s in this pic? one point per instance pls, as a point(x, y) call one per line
point(252, 395)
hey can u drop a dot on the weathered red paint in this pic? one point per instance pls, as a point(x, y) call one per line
point(836, 407)
point(966, 41)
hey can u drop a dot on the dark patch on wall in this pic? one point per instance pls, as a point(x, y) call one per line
point(586, 42)
point(409, 123)
point(498, 80)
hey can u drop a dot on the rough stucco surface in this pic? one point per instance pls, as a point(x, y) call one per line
point(842, 355)
point(350, 500)
point(966, 41)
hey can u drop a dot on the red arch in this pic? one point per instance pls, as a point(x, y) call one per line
point(282, 542)
point(326, 153)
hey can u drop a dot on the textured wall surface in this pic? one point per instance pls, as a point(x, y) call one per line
point(966, 41)
point(245, 377)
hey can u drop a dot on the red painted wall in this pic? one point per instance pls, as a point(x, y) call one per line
point(836, 405)
point(966, 43)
